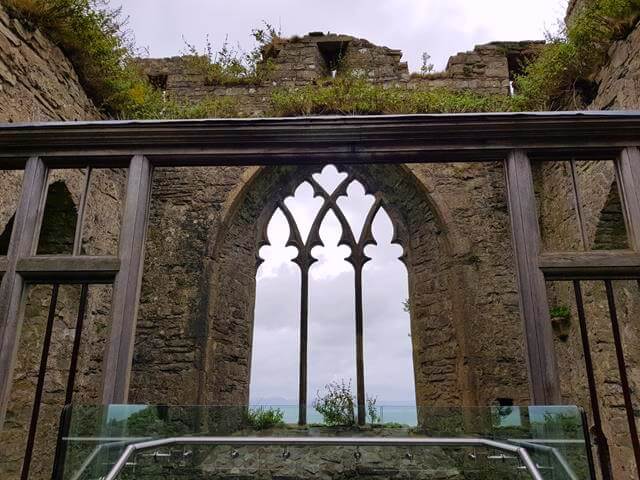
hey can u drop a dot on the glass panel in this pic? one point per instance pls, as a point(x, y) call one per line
point(451, 443)
point(11, 186)
point(103, 212)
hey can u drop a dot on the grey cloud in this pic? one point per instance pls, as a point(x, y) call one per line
point(440, 27)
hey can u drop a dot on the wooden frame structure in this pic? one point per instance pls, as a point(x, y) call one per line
point(510, 138)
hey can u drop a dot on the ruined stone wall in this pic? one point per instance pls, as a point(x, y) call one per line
point(618, 88)
point(604, 230)
point(316, 57)
point(619, 80)
point(195, 325)
point(194, 334)
point(38, 83)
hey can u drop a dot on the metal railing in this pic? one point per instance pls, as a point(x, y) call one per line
point(520, 451)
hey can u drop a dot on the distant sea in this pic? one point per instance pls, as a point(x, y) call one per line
point(404, 415)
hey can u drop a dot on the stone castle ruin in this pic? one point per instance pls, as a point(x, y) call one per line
point(306, 60)
point(193, 337)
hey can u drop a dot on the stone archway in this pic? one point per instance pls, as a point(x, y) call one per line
point(435, 271)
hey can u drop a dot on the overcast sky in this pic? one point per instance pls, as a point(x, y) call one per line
point(388, 364)
point(440, 27)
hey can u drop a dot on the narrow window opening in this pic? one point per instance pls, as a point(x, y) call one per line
point(59, 221)
point(333, 55)
point(159, 82)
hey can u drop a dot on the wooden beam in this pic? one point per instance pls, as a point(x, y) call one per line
point(23, 243)
point(628, 177)
point(590, 265)
point(4, 264)
point(68, 269)
point(534, 310)
point(373, 139)
point(126, 290)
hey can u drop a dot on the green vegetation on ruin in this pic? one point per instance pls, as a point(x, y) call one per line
point(95, 38)
point(348, 95)
point(562, 75)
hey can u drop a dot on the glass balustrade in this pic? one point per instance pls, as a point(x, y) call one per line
point(186, 442)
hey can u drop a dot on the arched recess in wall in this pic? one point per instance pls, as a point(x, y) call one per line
point(58, 222)
point(432, 264)
point(611, 232)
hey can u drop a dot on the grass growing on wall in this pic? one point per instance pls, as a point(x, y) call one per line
point(562, 75)
point(355, 96)
point(94, 37)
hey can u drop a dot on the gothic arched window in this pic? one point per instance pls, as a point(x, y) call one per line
point(331, 228)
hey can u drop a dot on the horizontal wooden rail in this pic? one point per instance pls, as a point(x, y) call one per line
point(371, 139)
point(74, 269)
point(589, 265)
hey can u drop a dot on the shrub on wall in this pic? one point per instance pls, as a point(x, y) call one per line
point(92, 35)
point(263, 418)
point(562, 75)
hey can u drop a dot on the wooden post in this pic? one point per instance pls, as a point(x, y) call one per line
point(126, 289)
point(628, 177)
point(534, 309)
point(23, 244)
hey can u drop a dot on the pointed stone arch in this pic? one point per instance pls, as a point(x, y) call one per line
point(435, 256)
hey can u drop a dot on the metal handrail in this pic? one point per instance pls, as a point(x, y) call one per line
point(347, 441)
point(116, 442)
point(554, 451)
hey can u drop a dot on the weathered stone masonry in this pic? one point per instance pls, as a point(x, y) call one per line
point(194, 333)
point(306, 60)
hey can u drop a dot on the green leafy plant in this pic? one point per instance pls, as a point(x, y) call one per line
point(561, 311)
point(232, 65)
point(427, 67)
point(94, 36)
point(372, 410)
point(560, 76)
point(561, 321)
point(393, 425)
point(337, 405)
point(263, 418)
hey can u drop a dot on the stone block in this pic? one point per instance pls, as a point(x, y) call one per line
point(6, 75)
point(4, 30)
